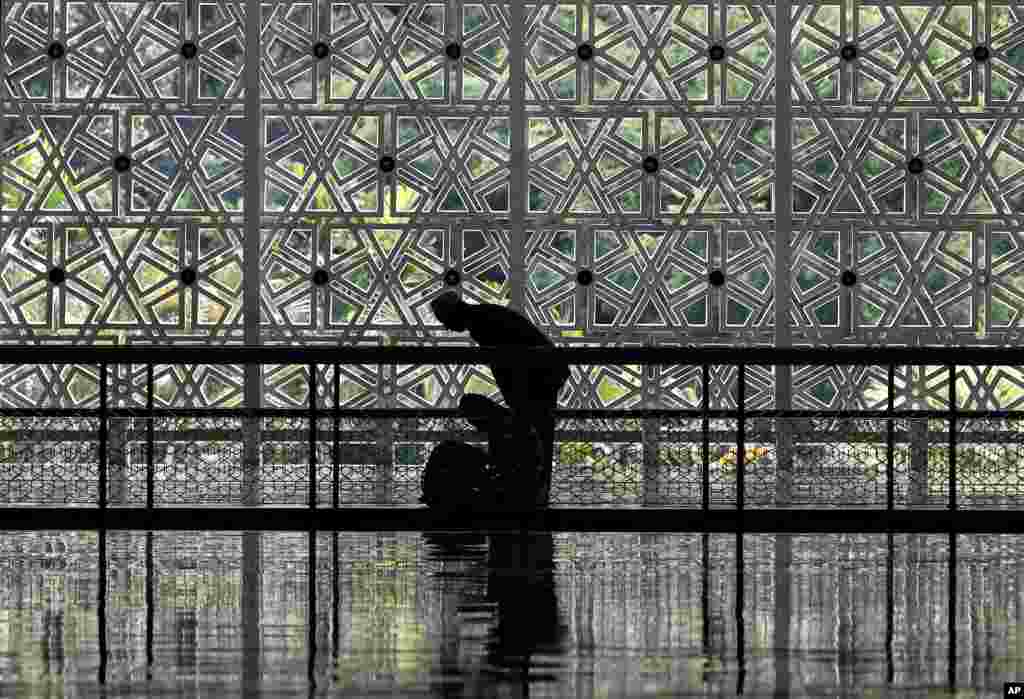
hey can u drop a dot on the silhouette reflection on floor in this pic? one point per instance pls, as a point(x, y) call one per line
point(520, 574)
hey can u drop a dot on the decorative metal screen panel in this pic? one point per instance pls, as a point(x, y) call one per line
point(407, 147)
point(663, 173)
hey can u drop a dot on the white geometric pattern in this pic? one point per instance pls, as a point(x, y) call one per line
point(397, 162)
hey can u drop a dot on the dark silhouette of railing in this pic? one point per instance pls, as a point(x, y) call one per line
point(752, 426)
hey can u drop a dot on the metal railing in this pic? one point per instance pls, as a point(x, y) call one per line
point(757, 473)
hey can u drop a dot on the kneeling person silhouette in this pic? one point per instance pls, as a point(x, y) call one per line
point(456, 476)
point(507, 476)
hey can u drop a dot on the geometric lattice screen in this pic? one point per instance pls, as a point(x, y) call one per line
point(611, 168)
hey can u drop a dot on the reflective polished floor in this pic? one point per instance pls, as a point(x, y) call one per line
point(539, 615)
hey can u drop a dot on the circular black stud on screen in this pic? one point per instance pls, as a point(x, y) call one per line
point(849, 278)
point(453, 51)
point(584, 277)
point(452, 277)
point(716, 53)
point(57, 275)
point(387, 164)
point(188, 276)
point(122, 163)
point(585, 52)
point(981, 53)
point(189, 50)
point(321, 49)
point(650, 164)
point(716, 277)
point(848, 52)
point(320, 277)
point(55, 50)
point(915, 166)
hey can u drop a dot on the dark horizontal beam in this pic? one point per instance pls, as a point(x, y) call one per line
point(576, 519)
point(520, 357)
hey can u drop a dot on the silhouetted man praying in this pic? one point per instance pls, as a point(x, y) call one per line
point(507, 476)
point(531, 392)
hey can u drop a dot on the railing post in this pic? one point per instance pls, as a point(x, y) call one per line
point(784, 429)
point(312, 436)
point(741, 396)
point(952, 437)
point(653, 480)
point(705, 447)
point(251, 438)
point(650, 431)
point(150, 447)
point(891, 442)
point(103, 437)
point(386, 462)
point(335, 468)
point(116, 457)
point(918, 480)
point(385, 438)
